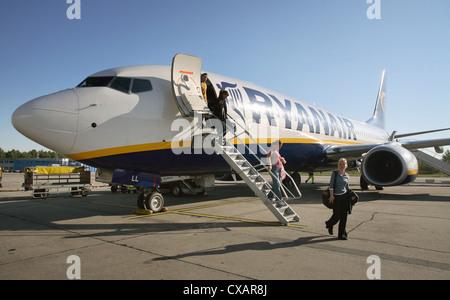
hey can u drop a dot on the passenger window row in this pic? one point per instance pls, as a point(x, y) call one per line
point(123, 84)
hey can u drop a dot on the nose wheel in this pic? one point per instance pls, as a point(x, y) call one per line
point(151, 200)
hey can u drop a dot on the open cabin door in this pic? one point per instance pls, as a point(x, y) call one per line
point(186, 84)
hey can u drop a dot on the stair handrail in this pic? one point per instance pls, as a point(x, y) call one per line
point(261, 163)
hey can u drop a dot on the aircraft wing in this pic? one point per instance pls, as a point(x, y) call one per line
point(412, 145)
point(356, 151)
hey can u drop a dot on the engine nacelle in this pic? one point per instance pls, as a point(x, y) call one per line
point(389, 165)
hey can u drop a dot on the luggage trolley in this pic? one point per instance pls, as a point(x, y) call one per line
point(44, 181)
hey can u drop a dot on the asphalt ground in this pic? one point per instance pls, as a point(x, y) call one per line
point(228, 234)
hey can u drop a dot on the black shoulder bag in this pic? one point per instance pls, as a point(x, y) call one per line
point(326, 193)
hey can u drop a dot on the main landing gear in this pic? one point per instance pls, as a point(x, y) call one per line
point(365, 186)
point(150, 199)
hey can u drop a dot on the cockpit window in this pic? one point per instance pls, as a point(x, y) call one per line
point(141, 85)
point(121, 84)
point(96, 81)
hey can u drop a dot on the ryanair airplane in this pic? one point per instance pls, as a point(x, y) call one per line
point(123, 119)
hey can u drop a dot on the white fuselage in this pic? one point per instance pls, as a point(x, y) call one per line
point(108, 128)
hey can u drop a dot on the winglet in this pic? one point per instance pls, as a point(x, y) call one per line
point(378, 118)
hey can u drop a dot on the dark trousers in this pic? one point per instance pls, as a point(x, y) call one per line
point(340, 213)
point(222, 117)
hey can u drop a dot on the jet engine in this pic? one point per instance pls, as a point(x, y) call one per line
point(389, 165)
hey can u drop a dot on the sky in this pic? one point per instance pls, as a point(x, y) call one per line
point(327, 52)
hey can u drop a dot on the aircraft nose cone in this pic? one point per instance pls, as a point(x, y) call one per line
point(51, 120)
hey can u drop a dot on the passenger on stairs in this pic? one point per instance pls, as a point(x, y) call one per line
point(219, 108)
point(276, 162)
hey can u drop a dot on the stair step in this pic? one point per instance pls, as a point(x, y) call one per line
point(292, 218)
point(256, 182)
point(240, 161)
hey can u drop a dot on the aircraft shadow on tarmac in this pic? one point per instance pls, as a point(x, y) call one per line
point(55, 218)
point(72, 215)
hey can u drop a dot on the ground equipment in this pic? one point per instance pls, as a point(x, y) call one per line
point(43, 181)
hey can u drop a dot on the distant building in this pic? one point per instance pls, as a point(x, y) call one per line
point(19, 164)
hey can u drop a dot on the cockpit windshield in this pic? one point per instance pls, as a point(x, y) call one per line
point(123, 84)
point(96, 81)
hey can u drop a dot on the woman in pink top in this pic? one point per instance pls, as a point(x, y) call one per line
point(275, 167)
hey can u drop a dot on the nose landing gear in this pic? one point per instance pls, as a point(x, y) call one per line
point(150, 199)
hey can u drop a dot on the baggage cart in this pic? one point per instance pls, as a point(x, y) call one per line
point(44, 181)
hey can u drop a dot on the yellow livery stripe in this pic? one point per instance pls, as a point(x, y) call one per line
point(168, 145)
point(122, 150)
point(413, 172)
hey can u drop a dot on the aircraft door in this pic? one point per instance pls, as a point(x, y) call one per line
point(186, 84)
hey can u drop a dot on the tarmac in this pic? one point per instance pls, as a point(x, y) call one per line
point(401, 232)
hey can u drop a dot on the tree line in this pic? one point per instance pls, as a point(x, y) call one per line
point(29, 154)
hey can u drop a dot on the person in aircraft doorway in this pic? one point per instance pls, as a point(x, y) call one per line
point(219, 108)
point(204, 86)
point(340, 198)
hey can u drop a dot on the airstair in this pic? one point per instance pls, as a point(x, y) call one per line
point(256, 182)
point(186, 72)
point(433, 162)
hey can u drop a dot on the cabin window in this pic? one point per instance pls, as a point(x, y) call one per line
point(121, 84)
point(141, 85)
point(96, 81)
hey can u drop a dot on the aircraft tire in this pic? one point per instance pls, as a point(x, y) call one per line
point(154, 202)
point(141, 201)
point(176, 190)
point(363, 184)
point(297, 178)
